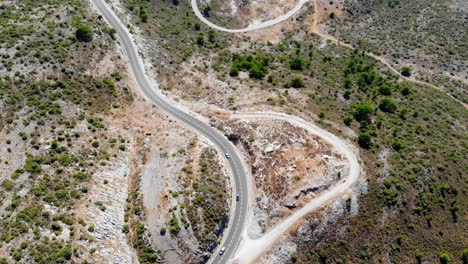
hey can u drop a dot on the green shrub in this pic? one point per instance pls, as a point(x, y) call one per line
point(8, 185)
point(297, 63)
point(385, 89)
point(348, 120)
point(406, 71)
point(256, 72)
point(365, 140)
point(200, 39)
point(388, 105)
point(297, 82)
point(444, 258)
point(257, 66)
point(363, 111)
point(143, 14)
point(174, 226)
point(234, 71)
point(84, 33)
point(294, 257)
point(206, 11)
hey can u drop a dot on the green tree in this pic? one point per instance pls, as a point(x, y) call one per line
point(388, 105)
point(365, 140)
point(297, 63)
point(363, 111)
point(406, 71)
point(84, 33)
point(385, 89)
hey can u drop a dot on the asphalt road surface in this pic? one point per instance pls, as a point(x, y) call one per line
point(238, 219)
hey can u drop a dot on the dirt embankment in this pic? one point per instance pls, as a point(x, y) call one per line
point(185, 193)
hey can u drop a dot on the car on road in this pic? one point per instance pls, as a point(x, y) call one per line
point(221, 252)
point(237, 197)
point(227, 155)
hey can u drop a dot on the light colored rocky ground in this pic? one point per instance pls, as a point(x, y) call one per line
point(289, 165)
point(172, 148)
point(108, 239)
point(252, 11)
point(261, 10)
point(160, 177)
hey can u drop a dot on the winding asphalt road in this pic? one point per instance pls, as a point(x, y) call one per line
point(236, 224)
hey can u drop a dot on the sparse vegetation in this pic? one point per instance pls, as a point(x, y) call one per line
point(256, 66)
point(392, 29)
point(47, 97)
point(420, 130)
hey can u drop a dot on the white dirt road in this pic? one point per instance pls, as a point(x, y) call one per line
point(251, 27)
point(250, 249)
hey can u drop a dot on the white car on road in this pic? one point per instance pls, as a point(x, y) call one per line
point(221, 252)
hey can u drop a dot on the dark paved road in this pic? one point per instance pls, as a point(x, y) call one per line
point(238, 219)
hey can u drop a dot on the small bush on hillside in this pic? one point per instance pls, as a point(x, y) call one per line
point(363, 111)
point(365, 140)
point(406, 71)
point(388, 105)
point(297, 63)
point(84, 33)
point(297, 82)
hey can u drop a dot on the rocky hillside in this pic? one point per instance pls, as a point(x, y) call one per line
point(412, 137)
point(64, 158)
